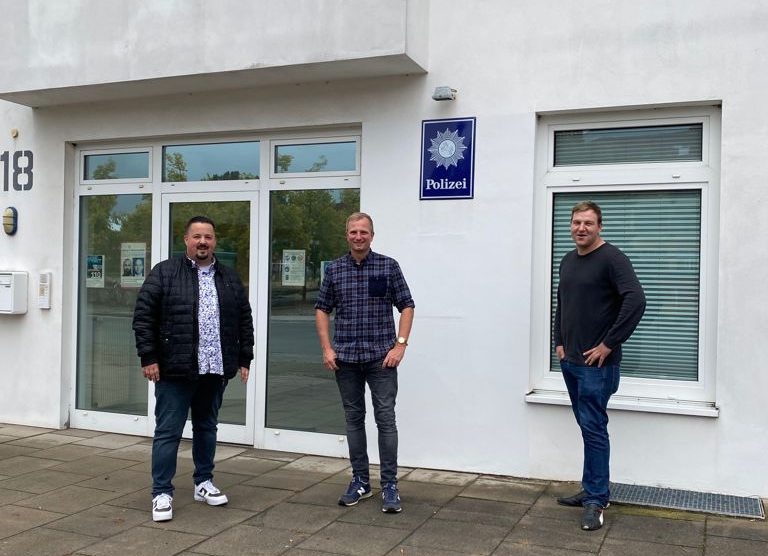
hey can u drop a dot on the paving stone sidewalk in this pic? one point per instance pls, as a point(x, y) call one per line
point(87, 493)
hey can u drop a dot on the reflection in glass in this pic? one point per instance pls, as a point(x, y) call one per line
point(109, 374)
point(211, 162)
point(316, 157)
point(306, 232)
point(116, 166)
point(232, 219)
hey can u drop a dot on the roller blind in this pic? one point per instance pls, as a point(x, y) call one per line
point(627, 145)
point(660, 231)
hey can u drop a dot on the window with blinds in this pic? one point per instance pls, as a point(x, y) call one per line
point(629, 145)
point(660, 231)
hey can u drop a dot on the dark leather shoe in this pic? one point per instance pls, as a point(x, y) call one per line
point(573, 501)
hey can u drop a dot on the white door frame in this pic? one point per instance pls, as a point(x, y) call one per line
point(239, 434)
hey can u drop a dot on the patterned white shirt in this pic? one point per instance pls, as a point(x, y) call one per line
point(209, 356)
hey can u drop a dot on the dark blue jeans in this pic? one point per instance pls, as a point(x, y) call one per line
point(173, 400)
point(382, 381)
point(590, 388)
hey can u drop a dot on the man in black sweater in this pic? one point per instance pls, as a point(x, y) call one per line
point(599, 304)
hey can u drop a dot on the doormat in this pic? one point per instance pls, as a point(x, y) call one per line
point(722, 504)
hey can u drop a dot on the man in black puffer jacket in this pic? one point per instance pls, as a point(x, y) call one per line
point(194, 332)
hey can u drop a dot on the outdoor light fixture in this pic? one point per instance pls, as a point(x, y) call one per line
point(444, 93)
point(10, 220)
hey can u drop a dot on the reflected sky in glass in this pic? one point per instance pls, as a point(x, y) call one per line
point(211, 161)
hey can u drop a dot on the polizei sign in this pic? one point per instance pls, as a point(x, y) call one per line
point(448, 159)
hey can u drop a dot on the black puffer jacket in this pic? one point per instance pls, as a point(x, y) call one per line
point(165, 319)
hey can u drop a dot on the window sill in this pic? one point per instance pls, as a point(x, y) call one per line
point(631, 403)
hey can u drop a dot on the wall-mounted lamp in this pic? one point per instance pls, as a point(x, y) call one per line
point(10, 220)
point(444, 93)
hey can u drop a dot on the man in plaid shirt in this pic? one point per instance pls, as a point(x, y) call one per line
point(362, 286)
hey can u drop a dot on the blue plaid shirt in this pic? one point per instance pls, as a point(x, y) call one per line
point(363, 295)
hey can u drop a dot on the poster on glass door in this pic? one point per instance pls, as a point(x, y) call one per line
point(133, 259)
point(294, 267)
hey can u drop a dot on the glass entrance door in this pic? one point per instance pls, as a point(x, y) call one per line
point(234, 215)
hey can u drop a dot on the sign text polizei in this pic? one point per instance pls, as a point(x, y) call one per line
point(16, 170)
point(448, 159)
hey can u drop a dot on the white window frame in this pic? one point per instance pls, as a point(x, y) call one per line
point(641, 394)
point(100, 152)
point(313, 141)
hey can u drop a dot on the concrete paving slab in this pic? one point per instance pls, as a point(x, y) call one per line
point(19, 465)
point(8, 451)
point(142, 499)
point(41, 481)
point(722, 546)
point(20, 431)
point(120, 481)
point(13, 496)
point(406, 550)
point(303, 518)
point(43, 441)
point(44, 542)
point(82, 433)
point(485, 512)
point(427, 493)
point(556, 533)
point(750, 530)
point(505, 490)
point(136, 452)
point(93, 466)
point(202, 519)
point(246, 540)
point(442, 477)
point(110, 441)
point(287, 479)
point(271, 454)
point(354, 539)
point(322, 494)
point(459, 537)
point(368, 512)
point(617, 547)
point(656, 529)
point(256, 499)
point(102, 521)
point(68, 452)
point(143, 541)
point(319, 464)
point(223, 452)
point(508, 548)
point(67, 500)
point(15, 519)
point(247, 466)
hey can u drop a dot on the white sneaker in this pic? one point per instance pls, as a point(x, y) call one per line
point(162, 507)
point(206, 492)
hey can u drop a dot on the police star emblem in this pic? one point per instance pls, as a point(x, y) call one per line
point(447, 148)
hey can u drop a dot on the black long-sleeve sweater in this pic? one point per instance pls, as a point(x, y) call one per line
point(599, 299)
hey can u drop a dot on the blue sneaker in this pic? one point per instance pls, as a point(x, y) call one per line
point(390, 499)
point(356, 491)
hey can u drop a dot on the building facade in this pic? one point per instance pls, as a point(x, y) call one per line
point(119, 120)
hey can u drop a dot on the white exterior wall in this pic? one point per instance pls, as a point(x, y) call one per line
point(469, 263)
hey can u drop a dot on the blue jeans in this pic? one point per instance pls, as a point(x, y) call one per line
point(173, 400)
point(382, 381)
point(590, 388)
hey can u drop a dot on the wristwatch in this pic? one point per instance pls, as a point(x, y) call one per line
point(402, 341)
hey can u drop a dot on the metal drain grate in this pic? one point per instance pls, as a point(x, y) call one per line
point(723, 504)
